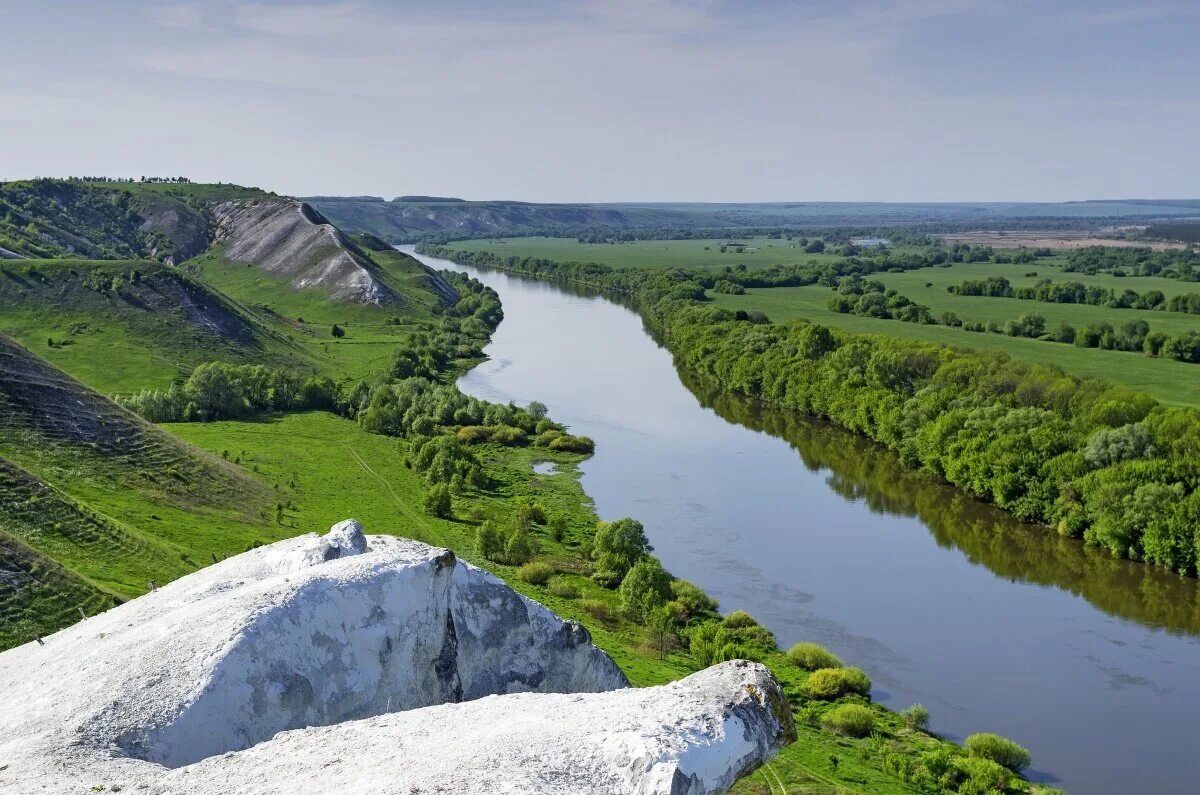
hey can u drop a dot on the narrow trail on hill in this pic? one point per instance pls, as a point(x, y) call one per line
point(387, 485)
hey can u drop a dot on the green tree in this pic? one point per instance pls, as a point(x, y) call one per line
point(438, 502)
point(645, 588)
point(617, 546)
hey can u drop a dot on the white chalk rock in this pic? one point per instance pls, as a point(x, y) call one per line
point(338, 663)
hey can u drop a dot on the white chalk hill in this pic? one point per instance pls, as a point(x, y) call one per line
point(352, 664)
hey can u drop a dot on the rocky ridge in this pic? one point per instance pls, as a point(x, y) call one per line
point(338, 663)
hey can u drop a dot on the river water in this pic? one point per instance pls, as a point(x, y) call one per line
point(1090, 662)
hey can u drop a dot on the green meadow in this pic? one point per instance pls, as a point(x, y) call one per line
point(757, 252)
point(1167, 380)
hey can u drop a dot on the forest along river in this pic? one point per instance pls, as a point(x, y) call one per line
point(1092, 663)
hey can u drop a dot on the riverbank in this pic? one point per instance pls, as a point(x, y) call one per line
point(1100, 463)
point(942, 600)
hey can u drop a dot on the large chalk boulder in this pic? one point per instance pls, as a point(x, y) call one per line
point(354, 663)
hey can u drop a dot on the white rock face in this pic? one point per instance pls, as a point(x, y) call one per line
point(288, 238)
point(337, 664)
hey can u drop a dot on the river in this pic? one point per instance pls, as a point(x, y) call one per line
point(1092, 663)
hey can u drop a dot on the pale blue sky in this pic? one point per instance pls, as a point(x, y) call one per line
point(609, 100)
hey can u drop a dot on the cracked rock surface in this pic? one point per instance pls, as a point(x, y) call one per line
point(354, 663)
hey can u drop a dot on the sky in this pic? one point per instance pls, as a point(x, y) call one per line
point(613, 100)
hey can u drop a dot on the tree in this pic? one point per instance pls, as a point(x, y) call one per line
point(660, 630)
point(618, 545)
point(437, 501)
point(645, 588)
point(537, 410)
point(814, 341)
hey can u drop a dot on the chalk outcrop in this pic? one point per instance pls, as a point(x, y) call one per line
point(290, 239)
point(348, 663)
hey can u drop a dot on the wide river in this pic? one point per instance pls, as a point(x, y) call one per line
point(1092, 663)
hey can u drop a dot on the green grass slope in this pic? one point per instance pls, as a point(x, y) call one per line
point(306, 317)
point(111, 500)
point(124, 325)
point(38, 596)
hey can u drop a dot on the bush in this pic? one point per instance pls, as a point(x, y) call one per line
point(981, 776)
point(812, 656)
point(489, 542)
point(536, 573)
point(518, 548)
point(998, 749)
point(563, 589)
point(710, 643)
point(830, 683)
point(573, 444)
point(645, 588)
point(739, 619)
point(598, 610)
point(852, 720)
point(694, 601)
point(916, 717)
point(437, 501)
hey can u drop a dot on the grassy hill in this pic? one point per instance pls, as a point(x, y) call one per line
point(108, 220)
point(111, 500)
point(122, 324)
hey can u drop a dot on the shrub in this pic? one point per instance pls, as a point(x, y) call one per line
point(830, 683)
point(518, 548)
point(739, 619)
point(852, 720)
point(710, 643)
point(437, 501)
point(573, 444)
point(563, 589)
point(598, 610)
point(645, 588)
point(981, 776)
point(694, 601)
point(916, 717)
point(536, 573)
point(998, 749)
point(812, 656)
point(558, 527)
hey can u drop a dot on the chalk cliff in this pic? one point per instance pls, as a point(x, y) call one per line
point(350, 663)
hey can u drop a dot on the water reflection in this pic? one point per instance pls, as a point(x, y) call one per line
point(862, 471)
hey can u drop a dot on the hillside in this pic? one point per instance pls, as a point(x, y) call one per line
point(97, 502)
point(408, 219)
point(175, 221)
point(117, 323)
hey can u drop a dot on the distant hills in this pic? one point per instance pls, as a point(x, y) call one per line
point(410, 218)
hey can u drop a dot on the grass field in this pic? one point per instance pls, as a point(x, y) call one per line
point(758, 253)
point(1167, 380)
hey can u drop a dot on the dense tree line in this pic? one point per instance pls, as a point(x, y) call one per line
point(1183, 264)
point(1073, 292)
point(220, 391)
point(1103, 463)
